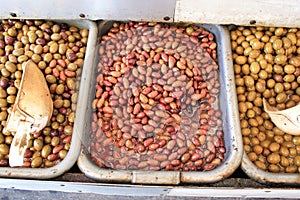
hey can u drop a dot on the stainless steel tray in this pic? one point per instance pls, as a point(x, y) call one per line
point(70, 159)
point(231, 128)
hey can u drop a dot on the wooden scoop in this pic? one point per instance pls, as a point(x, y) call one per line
point(287, 120)
point(31, 112)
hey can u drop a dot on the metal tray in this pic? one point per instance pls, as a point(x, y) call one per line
point(70, 159)
point(231, 128)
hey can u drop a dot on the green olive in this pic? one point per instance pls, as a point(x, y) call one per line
point(36, 162)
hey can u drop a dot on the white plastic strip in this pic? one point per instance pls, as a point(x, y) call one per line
point(92, 9)
point(144, 191)
point(247, 12)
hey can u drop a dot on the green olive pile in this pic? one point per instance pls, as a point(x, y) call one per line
point(58, 50)
point(267, 65)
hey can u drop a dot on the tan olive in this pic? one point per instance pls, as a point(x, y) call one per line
point(274, 147)
point(278, 87)
point(55, 37)
point(55, 141)
point(251, 96)
point(60, 89)
point(274, 168)
point(68, 130)
point(4, 149)
point(295, 61)
point(46, 150)
point(46, 131)
point(3, 103)
point(60, 118)
point(260, 87)
point(67, 103)
point(280, 59)
point(240, 60)
point(281, 97)
point(273, 158)
point(11, 99)
point(62, 153)
point(71, 117)
point(254, 67)
point(249, 81)
point(260, 165)
point(263, 74)
point(297, 161)
point(38, 144)
point(48, 57)
point(296, 140)
point(11, 67)
point(290, 169)
point(36, 154)
point(284, 161)
point(54, 125)
point(289, 78)
point(49, 163)
point(254, 54)
point(277, 44)
point(36, 162)
point(257, 149)
point(67, 146)
point(2, 140)
point(252, 156)
point(70, 83)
